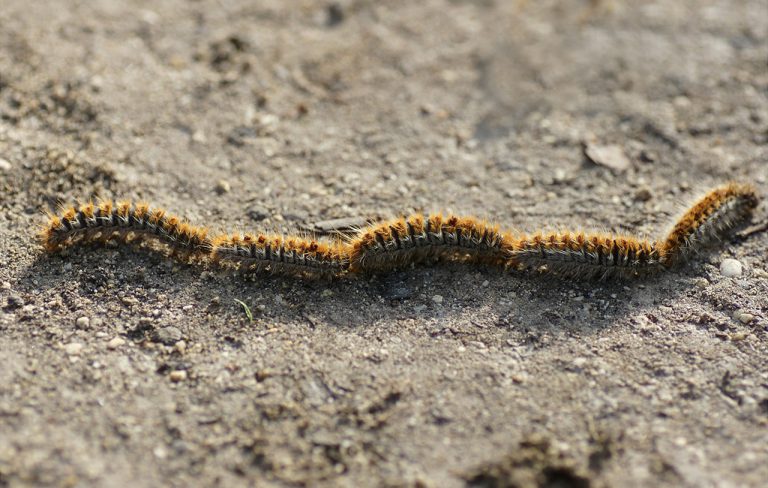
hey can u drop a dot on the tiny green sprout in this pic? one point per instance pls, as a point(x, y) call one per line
point(246, 308)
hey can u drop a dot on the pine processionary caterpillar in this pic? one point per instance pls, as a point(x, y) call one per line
point(605, 255)
point(578, 254)
point(417, 238)
point(708, 219)
point(295, 255)
point(126, 220)
point(411, 239)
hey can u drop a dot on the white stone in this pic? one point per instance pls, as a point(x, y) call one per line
point(115, 343)
point(610, 156)
point(730, 268)
point(73, 349)
point(177, 376)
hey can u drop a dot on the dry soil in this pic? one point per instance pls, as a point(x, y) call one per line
point(119, 367)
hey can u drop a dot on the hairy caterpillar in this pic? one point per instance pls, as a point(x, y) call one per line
point(280, 254)
point(416, 238)
point(122, 219)
point(406, 240)
point(707, 219)
point(578, 254)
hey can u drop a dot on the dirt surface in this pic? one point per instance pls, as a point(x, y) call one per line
point(122, 368)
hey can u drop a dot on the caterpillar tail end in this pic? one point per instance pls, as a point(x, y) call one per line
point(709, 218)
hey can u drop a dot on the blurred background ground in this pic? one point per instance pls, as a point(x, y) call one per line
point(121, 368)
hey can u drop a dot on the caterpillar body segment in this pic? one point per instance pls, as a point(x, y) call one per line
point(708, 219)
point(292, 255)
point(417, 238)
point(588, 255)
point(107, 220)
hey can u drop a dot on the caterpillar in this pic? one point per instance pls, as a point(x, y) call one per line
point(417, 238)
point(579, 254)
point(295, 255)
point(707, 219)
point(411, 239)
point(126, 220)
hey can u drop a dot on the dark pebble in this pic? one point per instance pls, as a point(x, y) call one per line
point(167, 335)
point(14, 301)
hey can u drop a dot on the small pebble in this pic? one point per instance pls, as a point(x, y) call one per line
point(738, 336)
point(730, 268)
point(83, 323)
point(437, 299)
point(15, 301)
point(6, 285)
point(115, 343)
point(258, 213)
point(643, 194)
point(610, 156)
point(177, 376)
point(73, 349)
point(744, 317)
point(199, 137)
point(222, 187)
point(167, 335)
point(4, 165)
point(648, 156)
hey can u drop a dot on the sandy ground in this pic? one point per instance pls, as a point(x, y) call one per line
point(120, 368)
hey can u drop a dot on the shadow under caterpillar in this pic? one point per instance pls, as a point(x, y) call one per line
point(399, 242)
